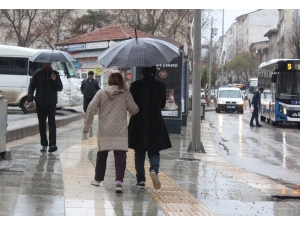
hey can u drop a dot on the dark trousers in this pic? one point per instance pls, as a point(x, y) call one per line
point(139, 160)
point(120, 165)
point(86, 102)
point(254, 116)
point(44, 112)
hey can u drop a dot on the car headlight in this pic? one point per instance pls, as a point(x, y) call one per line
point(241, 102)
point(221, 102)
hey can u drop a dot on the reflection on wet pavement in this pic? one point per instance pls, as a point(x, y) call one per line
point(59, 183)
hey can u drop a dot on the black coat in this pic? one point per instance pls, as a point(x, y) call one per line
point(147, 130)
point(256, 99)
point(89, 88)
point(45, 88)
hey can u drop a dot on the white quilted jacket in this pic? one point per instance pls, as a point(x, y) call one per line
point(112, 106)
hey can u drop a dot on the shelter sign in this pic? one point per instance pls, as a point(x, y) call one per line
point(170, 74)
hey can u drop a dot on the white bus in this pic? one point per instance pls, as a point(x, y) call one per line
point(15, 73)
point(281, 98)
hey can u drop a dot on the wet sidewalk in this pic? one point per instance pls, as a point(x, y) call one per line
point(35, 183)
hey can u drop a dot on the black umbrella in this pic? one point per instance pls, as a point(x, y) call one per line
point(139, 52)
point(49, 56)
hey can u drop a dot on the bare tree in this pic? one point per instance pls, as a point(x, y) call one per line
point(22, 26)
point(57, 26)
point(293, 42)
point(242, 65)
point(174, 23)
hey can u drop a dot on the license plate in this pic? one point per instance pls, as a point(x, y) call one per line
point(230, 107)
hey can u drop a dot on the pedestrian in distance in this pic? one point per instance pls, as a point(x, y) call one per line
point(255, 105)
point(89, 88)
point(147, 130)
point(46, 83)
point(112, 103)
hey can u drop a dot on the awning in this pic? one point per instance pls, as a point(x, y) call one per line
point(88, 54)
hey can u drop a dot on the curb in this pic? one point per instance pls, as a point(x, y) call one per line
point(34, 129)
point(22, 132)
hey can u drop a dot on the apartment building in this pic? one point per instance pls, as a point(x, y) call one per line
point(284, 32)
point(272, 50)
point(248, 29)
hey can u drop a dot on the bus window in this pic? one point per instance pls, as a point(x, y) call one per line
point(57, 66)
point(71, 69)
point(33, 66)
point(13, 66)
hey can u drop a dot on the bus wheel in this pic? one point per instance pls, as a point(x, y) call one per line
point(24, 108)
point(273, 123)
point(262, 118)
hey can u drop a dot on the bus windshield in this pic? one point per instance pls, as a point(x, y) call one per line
point(288, 85)
point(71, 69)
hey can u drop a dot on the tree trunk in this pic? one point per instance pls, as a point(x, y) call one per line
point(206, 96)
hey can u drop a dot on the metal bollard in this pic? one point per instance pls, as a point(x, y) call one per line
point(202, 112)
point(4, 153)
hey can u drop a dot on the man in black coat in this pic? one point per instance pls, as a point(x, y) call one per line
point(147, 131)
point(256, 104)
point(46, 82)
point(89, 88)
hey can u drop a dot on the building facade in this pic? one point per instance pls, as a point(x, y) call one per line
point(87, 47)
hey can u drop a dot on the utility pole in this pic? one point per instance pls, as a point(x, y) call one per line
point(210, 61)
point(222, 55)
point(196, 144)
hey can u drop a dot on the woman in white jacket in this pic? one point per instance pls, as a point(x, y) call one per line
point(112, 103)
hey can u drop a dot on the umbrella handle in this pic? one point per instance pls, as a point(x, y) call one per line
point(135, 36)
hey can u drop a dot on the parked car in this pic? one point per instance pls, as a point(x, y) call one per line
point(213, 93)
point(191, 93)
point(202, 93)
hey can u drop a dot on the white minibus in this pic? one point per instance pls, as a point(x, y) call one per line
point(74, 81)
point(15, 73)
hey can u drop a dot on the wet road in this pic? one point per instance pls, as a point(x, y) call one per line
point(270, 151)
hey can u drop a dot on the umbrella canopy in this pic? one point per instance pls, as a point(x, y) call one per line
point(50, 56)
point(139, 52)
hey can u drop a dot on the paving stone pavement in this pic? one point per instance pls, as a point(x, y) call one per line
point(36, 183)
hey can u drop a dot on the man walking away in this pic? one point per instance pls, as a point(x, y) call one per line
point(46, 82)
point(256, 104)
point(89, 88)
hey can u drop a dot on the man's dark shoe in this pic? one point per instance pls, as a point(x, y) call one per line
point(252, 125)
point(44, 148)
point(141, 185)
point(52, 148)
point(258, 125)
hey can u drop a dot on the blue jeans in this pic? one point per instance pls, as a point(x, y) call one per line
point(140, 156)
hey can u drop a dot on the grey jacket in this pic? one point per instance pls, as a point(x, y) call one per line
point(89, 88)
